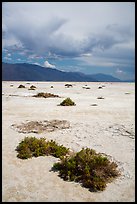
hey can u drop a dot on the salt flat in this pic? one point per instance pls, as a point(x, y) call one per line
point(108, 127)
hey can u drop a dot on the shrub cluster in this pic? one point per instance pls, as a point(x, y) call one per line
point(67, 102)
point(34, 147)
point(45, 95)
point(92, 170)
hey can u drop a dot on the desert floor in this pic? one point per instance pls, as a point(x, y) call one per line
point(108, 127)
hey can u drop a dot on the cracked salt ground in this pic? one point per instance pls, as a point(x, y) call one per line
point(120, 130)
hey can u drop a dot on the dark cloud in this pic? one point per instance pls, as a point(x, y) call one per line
point(53, 31)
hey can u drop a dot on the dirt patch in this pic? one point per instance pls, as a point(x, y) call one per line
point(41, 126)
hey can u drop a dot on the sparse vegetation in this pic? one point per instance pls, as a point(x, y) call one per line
point(33, 147)
point(21, 86)
point(32, 87)
point(100, 97)
point(45, 95)
point(67, 102)
point(68, 85)
point(94, 104)
point(86, 87)
point(92, 170)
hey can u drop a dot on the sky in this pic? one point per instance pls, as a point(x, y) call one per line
point(87, 37)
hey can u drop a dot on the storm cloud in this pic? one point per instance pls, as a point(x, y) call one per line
point(82, 30)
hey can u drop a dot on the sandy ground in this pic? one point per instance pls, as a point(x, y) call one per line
point(108, 128)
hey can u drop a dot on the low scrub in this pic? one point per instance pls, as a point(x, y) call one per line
point(45, 95)
point(86, 87)
point(21, 86)
point(100, 97)
point(67, 102)
point(32, 87)
point(92, 170)
point(34, 147)
point(68, 85)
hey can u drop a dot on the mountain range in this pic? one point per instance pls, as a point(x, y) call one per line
point(32, 72)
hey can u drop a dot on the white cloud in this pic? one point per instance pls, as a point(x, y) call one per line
point(34, 56)
point(119, 71)
point(36, 63)
point(7, 58)
point(31, 57)
point(86, 55)
point(47, 64)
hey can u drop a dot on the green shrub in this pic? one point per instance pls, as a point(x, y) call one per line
point(57, 150)
point(67, 102)
point(32, 146)
point(92, 170)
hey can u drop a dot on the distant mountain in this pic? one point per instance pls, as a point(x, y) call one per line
point(31, 72)
point(105, 78)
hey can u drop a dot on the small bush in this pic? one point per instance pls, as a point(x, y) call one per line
point(100, 97)
point(32, 146)
point(85, 87)
point(67, 102)
point(94, 104)
point(92, 170)
point(21, 86)
point(32, 87)
point(68, 85)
